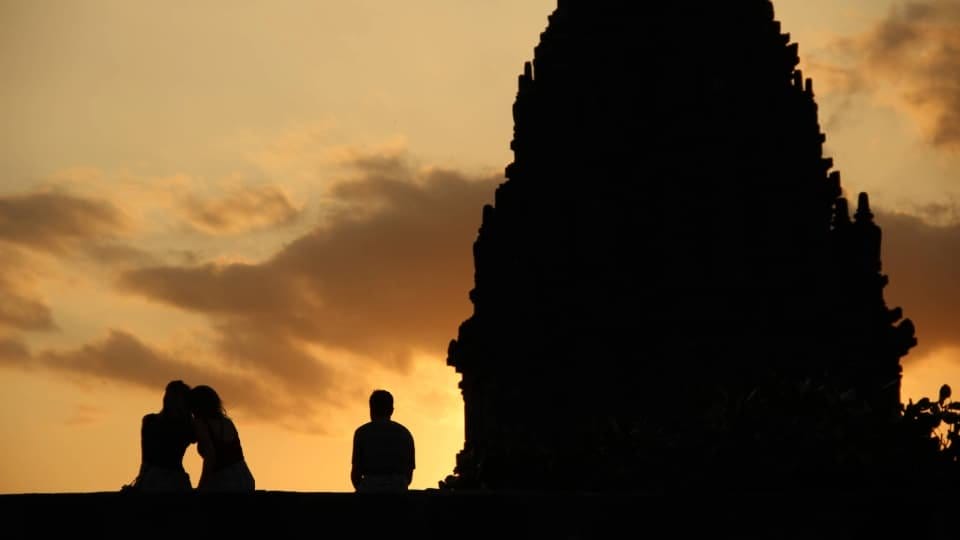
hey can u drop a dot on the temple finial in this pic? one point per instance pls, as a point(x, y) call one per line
point(863, 208)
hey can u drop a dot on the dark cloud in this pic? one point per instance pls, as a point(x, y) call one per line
point(915, 49)
point(247, 346)
point(386, 274)
point(119, 254)
point(13, 352)
point(923, 262)
point(121, 357)
point(54, 221)
point(240, 211)
point(23, 313)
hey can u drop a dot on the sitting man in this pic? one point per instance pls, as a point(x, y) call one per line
point(382, 450)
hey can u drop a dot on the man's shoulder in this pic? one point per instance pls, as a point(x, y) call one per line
point(365, 428)
point(400, 428)
point(388, 427)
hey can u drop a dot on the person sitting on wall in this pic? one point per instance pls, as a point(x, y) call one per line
point(218, 442)
point(164, 438)
point(383, 450)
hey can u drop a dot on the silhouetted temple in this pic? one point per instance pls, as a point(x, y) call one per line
point(670, 263)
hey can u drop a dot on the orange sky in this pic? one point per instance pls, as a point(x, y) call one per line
point(279, 199)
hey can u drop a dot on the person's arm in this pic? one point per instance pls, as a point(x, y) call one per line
point(356, 473)
point(205, 449)
point(204, 443)
point(413, 461)
point(355, 477)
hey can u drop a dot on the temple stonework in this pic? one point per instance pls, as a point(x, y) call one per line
point(670, 246)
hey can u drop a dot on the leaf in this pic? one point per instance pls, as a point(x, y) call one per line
point(944, 392)
point(954, 406)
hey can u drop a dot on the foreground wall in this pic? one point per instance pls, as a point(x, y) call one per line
point(478, 515)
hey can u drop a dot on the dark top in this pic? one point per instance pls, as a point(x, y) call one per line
point(164, 439)
point(383, 447)
point(227, 452)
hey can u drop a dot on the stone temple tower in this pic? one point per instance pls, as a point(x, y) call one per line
point(670, 246)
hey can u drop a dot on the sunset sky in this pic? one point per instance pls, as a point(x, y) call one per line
point(279, 199)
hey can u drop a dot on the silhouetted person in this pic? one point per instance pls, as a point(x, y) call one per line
point(164, 438)
point(383, 456)
point(218, 442)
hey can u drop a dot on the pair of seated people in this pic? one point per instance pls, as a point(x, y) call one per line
point(191, 415)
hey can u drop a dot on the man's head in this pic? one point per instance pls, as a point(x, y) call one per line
point(381, 405)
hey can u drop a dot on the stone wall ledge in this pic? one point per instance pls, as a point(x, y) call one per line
point(440, 514)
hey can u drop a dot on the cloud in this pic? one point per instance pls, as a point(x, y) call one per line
point(123, 358)
point(384, 275)
point(387, 273)
point(923, 262)
point(289, 361)
point(911, 58)
point(83, 415)
point(13, 352)
point(19, 309)
point(23, 313)
point(242, 210)
point(939, 213)
point(119, 254)
point(54, 221)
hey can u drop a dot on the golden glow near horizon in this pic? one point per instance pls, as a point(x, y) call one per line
point(212, 191)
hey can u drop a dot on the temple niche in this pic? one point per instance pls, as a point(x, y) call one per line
point(670, 287)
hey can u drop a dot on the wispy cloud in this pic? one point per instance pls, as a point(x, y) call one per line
point(83, 415)
point(20, 309)
point(23, 313)
point(13, 352)
point(240, 210)
point(911, 59)
point(55, 221)
point(122, 358)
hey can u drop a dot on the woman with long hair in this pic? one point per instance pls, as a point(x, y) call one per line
point(218, 442)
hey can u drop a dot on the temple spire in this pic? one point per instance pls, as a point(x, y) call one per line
point(670, 247)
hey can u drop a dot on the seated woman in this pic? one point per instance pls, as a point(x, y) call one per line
point(164, 438)
point(224, 468)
